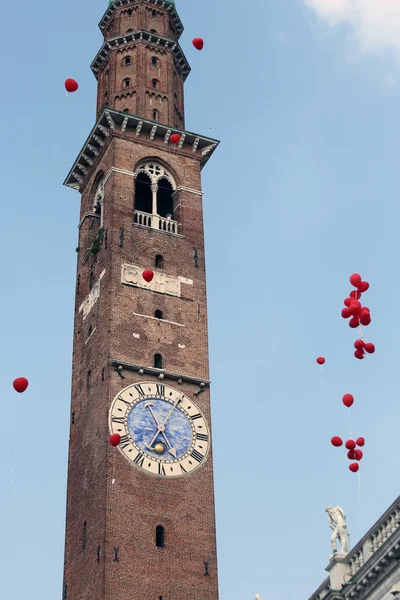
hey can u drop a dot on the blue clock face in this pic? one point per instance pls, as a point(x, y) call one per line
point(161, 430)
point(144, 421)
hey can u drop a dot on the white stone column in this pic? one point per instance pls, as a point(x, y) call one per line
point(339, 570)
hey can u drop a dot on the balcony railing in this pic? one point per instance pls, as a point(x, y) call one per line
point(155, 222)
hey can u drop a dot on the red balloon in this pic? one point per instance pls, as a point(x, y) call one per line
point(365, 318)
point(370, 348)
point(355, 294)
point(148, 275)
point(354, 322)
point(363, 287)
point(336, 441)
point(360, 441)
point(354, 467)
point(20, 384)
point(359, 344)
point(71, 85)
point(320, 360)
point(351, 454)
point(350, 444)
point(348, 400)
point(198, 43)
point(359, 354)
point(115, 439)
point(355, 279)
point(175, 137)
point(358, 454)
point(347, 301)
point(346, 312)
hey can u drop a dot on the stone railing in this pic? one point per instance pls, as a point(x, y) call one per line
point(155, 222)
point(375, 538)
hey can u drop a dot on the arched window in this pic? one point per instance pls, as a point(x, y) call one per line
point(154, 61)
point(153, 13)
point(160, 536)
point(155, 114)
point(127, 61)
point(153, 31)
point(126, 82)
point(84, 535)
point(91, 280)
point(155, 83)
point(159, 261)
point(165, 202)
point(143, 194)
point(98, 197)
point(158, 361)
point(130, 11)
point(89, 379)
point(129, 30)
point(126, 110)
point(158, 314)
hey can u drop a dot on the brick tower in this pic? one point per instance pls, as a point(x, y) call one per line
point(140, 516)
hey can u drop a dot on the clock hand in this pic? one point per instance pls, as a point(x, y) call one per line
point(170, 412)
point(160, 429)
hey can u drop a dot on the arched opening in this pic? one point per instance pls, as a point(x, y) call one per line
point(153, 30)
point(165, 202)
point(158, 361)
point(155, 114)
point(154, 61)
point(84, 535)
point(91, 280)
point(160, 536)
point(126, 82)
point(143, 194)
point(155, 83)
point(159, 261)
point(153, 13)
point(127, 61)
point(158, 314)
point(89, 379)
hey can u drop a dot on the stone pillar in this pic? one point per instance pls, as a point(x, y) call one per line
point(339, 570)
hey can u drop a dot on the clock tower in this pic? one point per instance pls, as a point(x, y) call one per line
point(140, 516)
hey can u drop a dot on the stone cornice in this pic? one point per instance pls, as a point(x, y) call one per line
point(166, 5)
point(113, 122)
point(141, 36)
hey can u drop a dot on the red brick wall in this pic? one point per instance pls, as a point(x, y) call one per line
point(125, 514)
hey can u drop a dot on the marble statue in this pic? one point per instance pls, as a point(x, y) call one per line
point(337, 522)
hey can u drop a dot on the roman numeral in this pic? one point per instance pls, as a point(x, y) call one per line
point(161, 469)
point(139, 460)
point(125, 441)
point(196, 455)
point(202, 436)
point(198, 416)
point(118, 420)
point(124, 401)
point(140, 389)
point(182, 469)
point(160, 389)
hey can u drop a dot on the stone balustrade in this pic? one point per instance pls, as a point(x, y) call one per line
point(155, 222)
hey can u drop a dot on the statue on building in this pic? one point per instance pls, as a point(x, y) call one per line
point(257, 597)
point(337, 522)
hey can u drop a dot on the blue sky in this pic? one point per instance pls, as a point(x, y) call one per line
point(302, 191)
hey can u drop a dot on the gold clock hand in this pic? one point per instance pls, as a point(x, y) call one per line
point(160, 429)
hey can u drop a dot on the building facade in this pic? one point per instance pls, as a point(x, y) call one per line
point(140, 521)
point(371, 570)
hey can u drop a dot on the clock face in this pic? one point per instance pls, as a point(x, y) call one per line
point(162, 431)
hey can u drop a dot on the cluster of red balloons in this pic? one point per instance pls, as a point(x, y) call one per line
point(358, 314)
point(148, 275)
point(71, 85)
point(198, 43)
point(20, 384)
point(353, 453)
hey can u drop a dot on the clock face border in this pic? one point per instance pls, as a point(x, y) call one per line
point(126, 400)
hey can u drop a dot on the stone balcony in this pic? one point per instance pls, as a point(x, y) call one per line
point(155, 222)
point(370, 569)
